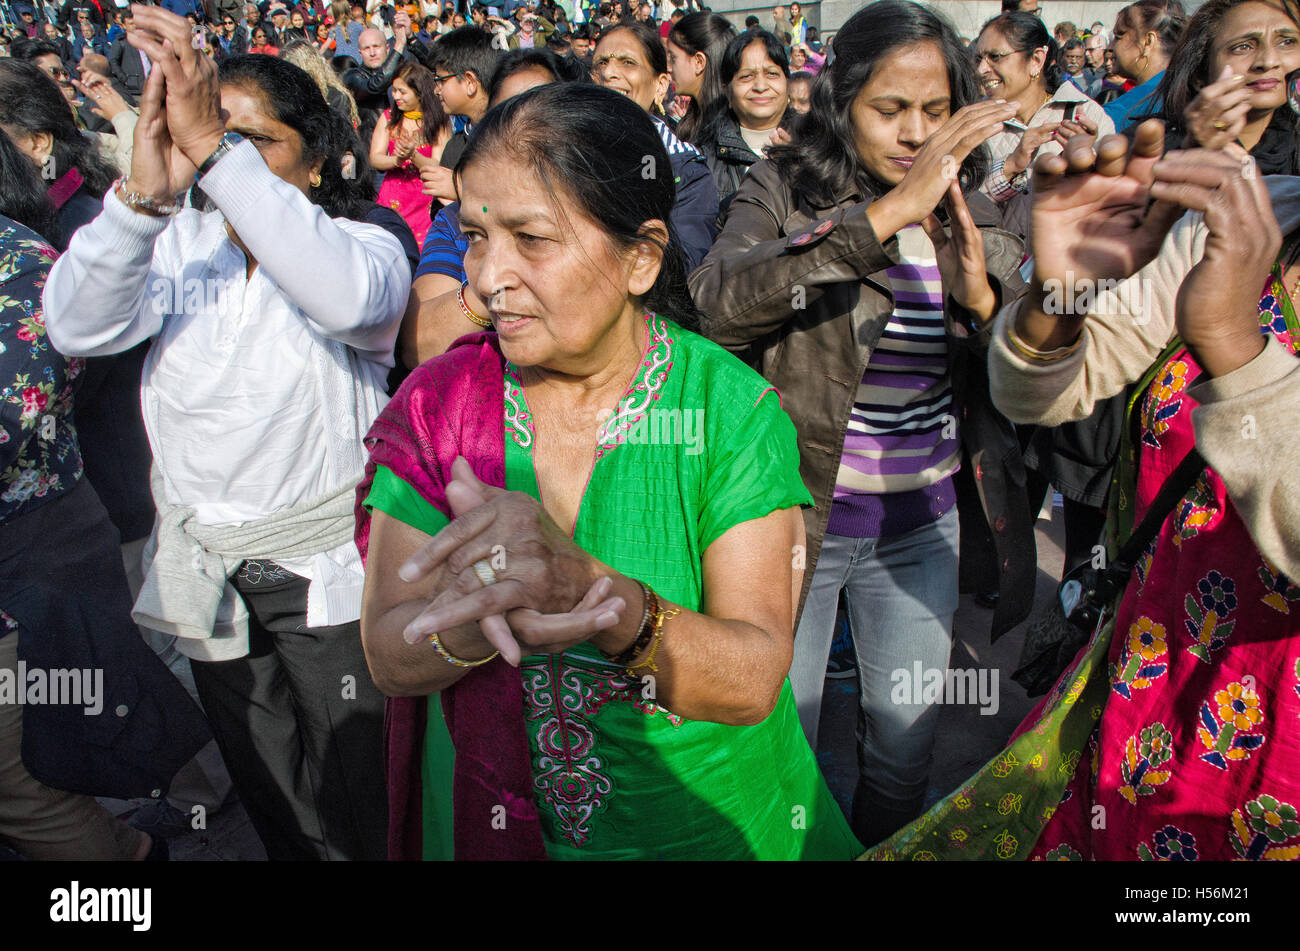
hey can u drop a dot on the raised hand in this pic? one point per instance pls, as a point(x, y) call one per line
point(1079, 125)
point(1092, 219)
point(1217, 116)
point(961, 256)
point(1030, 141)
point(936, 166)
point(108, 102)
point(1218, 301)
point(193, 101)
point(159, 169)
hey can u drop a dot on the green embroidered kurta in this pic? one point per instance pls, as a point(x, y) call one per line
point(698, 444)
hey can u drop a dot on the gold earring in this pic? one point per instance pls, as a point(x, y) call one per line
point(315, 180)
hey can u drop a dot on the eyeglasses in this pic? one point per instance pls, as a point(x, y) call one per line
point(58, 72)
point(442, 79)
point(992, 57)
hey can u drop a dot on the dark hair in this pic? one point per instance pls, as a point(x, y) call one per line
point(292, 97)
point(580, 32)
point(719, 112)
point(822, 164)
point(751, 22)
point(709, 34)
point(1166, 18)
point(426, 90)
point(653, 47)
point(1188, 71)
point(466, 49)
point(801, 76)
point(29, 50)
point(32, 102)
point(562, 69)
point(1026, 33)
point(591, 142)
point(1074, 44)
point(22, 193)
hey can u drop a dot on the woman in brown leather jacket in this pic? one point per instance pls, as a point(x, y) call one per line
point(837, 275)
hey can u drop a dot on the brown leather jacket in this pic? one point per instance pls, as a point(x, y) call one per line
point(784, 288)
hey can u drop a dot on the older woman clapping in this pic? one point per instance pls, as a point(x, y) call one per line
point(272, 320)
point(639, 569)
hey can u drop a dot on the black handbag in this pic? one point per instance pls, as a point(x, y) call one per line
point(1086, 594)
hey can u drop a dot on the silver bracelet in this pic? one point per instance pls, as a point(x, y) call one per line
point(140, 202)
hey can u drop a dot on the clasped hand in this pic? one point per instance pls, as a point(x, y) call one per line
point(180, 108)
point(548, 593)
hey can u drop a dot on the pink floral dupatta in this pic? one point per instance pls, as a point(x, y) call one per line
point(449, 407)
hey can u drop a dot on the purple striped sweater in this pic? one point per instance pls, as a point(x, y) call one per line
point(901, 447)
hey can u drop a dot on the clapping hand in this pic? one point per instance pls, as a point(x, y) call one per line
point(1031, 140)
point(1090, 216)
point(108, 102)
point(937, 165)
point(188, 79)
point(547, 594)
point(1092, 219)
point(961, 256)
point(1218, 301)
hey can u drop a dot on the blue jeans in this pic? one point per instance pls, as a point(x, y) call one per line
point(901, 593)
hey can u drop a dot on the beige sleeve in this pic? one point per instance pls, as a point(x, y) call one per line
point(1129, 322)
point(1245, 428)
point(124, 125)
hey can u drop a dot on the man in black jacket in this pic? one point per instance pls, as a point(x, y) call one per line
point(369, 82)
point(127, 63)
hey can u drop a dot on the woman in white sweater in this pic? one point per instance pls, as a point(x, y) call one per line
point(273, 326)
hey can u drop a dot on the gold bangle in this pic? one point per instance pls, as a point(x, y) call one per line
point(1039, 356)
point(661, 616)
point(454, 660)
point(464, 307)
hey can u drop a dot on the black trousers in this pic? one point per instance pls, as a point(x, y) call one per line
point(300, 726)
point(1084, 524)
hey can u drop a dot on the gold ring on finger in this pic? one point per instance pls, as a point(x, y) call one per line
point(1221, 126)
point(485, 572)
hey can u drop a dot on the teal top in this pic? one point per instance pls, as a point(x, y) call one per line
point(698, 445)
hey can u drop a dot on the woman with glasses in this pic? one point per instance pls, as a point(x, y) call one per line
point(1018, 61)
point(262, 43)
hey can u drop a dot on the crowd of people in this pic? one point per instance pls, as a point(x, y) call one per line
point(467, 441)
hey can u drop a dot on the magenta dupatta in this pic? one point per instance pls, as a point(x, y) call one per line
point(449, 407)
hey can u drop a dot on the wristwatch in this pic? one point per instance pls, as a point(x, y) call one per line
point(227, 144)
